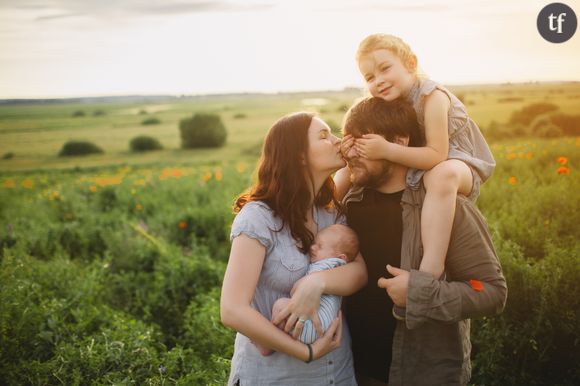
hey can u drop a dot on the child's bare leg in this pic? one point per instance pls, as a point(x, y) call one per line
point(278, 306)
point(442, 183)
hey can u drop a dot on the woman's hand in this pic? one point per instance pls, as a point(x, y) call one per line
point(303, 305)
point(330, 340)
point(372, 146)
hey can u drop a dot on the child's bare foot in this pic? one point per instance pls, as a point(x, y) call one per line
point(265, 351)
point(276, 309)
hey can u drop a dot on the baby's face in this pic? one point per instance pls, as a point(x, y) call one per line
point(324, 246)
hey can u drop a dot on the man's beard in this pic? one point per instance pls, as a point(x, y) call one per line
point(361, 176)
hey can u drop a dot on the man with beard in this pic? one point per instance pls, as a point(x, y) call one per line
point(430, 346)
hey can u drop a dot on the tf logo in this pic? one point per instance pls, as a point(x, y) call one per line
point(557, 22)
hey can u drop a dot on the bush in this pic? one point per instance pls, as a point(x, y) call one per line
point(8, 155)
point(240, 116)
point(99, 113)
point(76, 148)
point(542, 126)
point(510, 99)
point(570, 124)
point(527, 114)
point(535, 340)
point(202, 130)
point(151, 121)
point(498, 131)
point(57, 328)
point(144, 143)
point(531, 121)
point(203, 329)
point(78, 113)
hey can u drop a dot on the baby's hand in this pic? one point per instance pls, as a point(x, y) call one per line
point(346, 144)
point(372, 146)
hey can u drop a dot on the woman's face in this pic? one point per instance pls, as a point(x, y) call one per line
point(323, 148)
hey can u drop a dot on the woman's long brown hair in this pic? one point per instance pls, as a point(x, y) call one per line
point(282, 181)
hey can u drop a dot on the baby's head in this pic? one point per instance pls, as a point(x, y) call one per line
point(388, 65)
point(335, 241)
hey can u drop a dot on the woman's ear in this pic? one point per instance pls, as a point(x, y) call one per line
point(403, 141)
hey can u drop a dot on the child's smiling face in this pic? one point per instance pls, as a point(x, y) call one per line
point(386, 75)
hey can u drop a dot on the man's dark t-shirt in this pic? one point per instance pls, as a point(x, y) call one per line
point(377, 219)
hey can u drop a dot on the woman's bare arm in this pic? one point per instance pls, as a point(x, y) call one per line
point(240, 280)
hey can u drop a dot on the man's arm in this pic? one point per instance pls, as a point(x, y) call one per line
point(474, 286)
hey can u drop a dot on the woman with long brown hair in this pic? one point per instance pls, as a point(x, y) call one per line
point(277, 220)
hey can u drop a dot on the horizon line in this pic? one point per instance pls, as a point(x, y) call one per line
point(255, 92)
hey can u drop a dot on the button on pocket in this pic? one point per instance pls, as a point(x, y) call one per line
point(291, 257)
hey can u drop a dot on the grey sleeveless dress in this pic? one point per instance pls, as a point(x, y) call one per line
point(466, 143)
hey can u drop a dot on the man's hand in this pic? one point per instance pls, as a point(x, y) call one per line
point(372, 146)
point(396, 286)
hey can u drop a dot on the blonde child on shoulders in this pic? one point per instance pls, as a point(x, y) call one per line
point(455, 158)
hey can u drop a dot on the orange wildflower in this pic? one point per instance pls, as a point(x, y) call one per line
point(241, 167)
point(9, 183)
point(206, 177)
point(476, 285)
point(182, 225)
point(170, 173)
point(108, 180)
point(512, 180)
point(528, 155)
point(563, 170)
point(562, 160)
point(218, 174)
point(93, 189)
point(28, 183)
point(139, 207)
point(510, 156)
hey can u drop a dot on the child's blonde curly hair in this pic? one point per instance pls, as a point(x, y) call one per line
point(387, 42)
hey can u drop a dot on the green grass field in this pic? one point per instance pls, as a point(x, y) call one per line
point(35, 134)
point(111, 265)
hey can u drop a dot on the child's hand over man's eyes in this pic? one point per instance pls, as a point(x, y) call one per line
point(372, 146)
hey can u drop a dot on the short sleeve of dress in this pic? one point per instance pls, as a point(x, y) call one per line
point(427, 87)
point(341, 219)
point(255, 220)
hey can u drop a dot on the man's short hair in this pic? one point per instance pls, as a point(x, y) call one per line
point(375, 115)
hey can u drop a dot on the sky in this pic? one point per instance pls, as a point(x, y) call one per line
point(68, 48)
